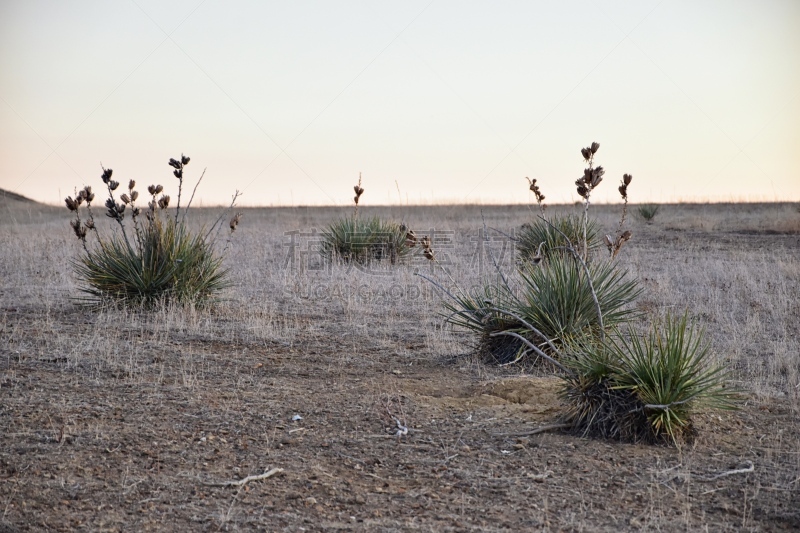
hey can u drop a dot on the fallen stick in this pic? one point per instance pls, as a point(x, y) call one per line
point(536, 431)
point(749, 468)
point(248, 479)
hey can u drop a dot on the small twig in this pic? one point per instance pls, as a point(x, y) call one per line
point(541, 429)
point(749, 468)
point(225, 212)
point(437, 285)
point(503, 233)
point(186, 211)
point(248, 479)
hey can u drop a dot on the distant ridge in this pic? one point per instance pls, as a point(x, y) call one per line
point(8, 195)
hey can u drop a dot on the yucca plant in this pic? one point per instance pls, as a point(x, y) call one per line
point(648, 212)
point(557, 298)
point(154, 260)
point(645, 388)
point(365, 240)
point(170, 264)
point(554, 298)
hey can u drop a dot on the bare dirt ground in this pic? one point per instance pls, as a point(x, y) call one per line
point(119, 421)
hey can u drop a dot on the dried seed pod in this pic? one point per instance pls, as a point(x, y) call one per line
point(428, 253)
point(184, 160)
point(174, 163)
point(107, 172)
point(159, 188)
point(582, 191)
point(163, 202)
point(597, 176)
point(89, 194)
point(110, 203)
point(623, 191)
point(235, 221)
point(72, 205)
point(178, 173)
point(134, 195)
point(131, 185)
point(125, 198)
point(151, 189)
point(113, 185)
point(608, 241)
point(411, 238)
point(136, 211)
point(586, 153)
point(627, 178)
point(595, 147)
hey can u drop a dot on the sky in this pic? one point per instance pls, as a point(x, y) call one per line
point(432, 101)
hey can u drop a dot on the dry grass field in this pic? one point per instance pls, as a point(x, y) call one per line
point(134, 421)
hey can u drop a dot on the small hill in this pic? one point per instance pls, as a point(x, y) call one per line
point(12, 196)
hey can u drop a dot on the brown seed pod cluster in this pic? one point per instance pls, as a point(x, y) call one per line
point(178, 165)
point(411, 237)
point(614, 245)
point(535, 189)
point(592, 176)
point(427, 249)
point(623, 188)
point(588, 153)
point(358, 190)
point(425, 242)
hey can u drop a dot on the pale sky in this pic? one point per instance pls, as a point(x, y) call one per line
point(451, 101)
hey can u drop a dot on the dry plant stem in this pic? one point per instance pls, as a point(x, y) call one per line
point(121, 225)
point(180, 189)
point(186, 211)
point(222, 216)
point(588, 277)
point(624, 212)
point(586, 214)
point(533, 347)
point(541, 429)
point(248, 479)
point(745, 470)
point(437, 285)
